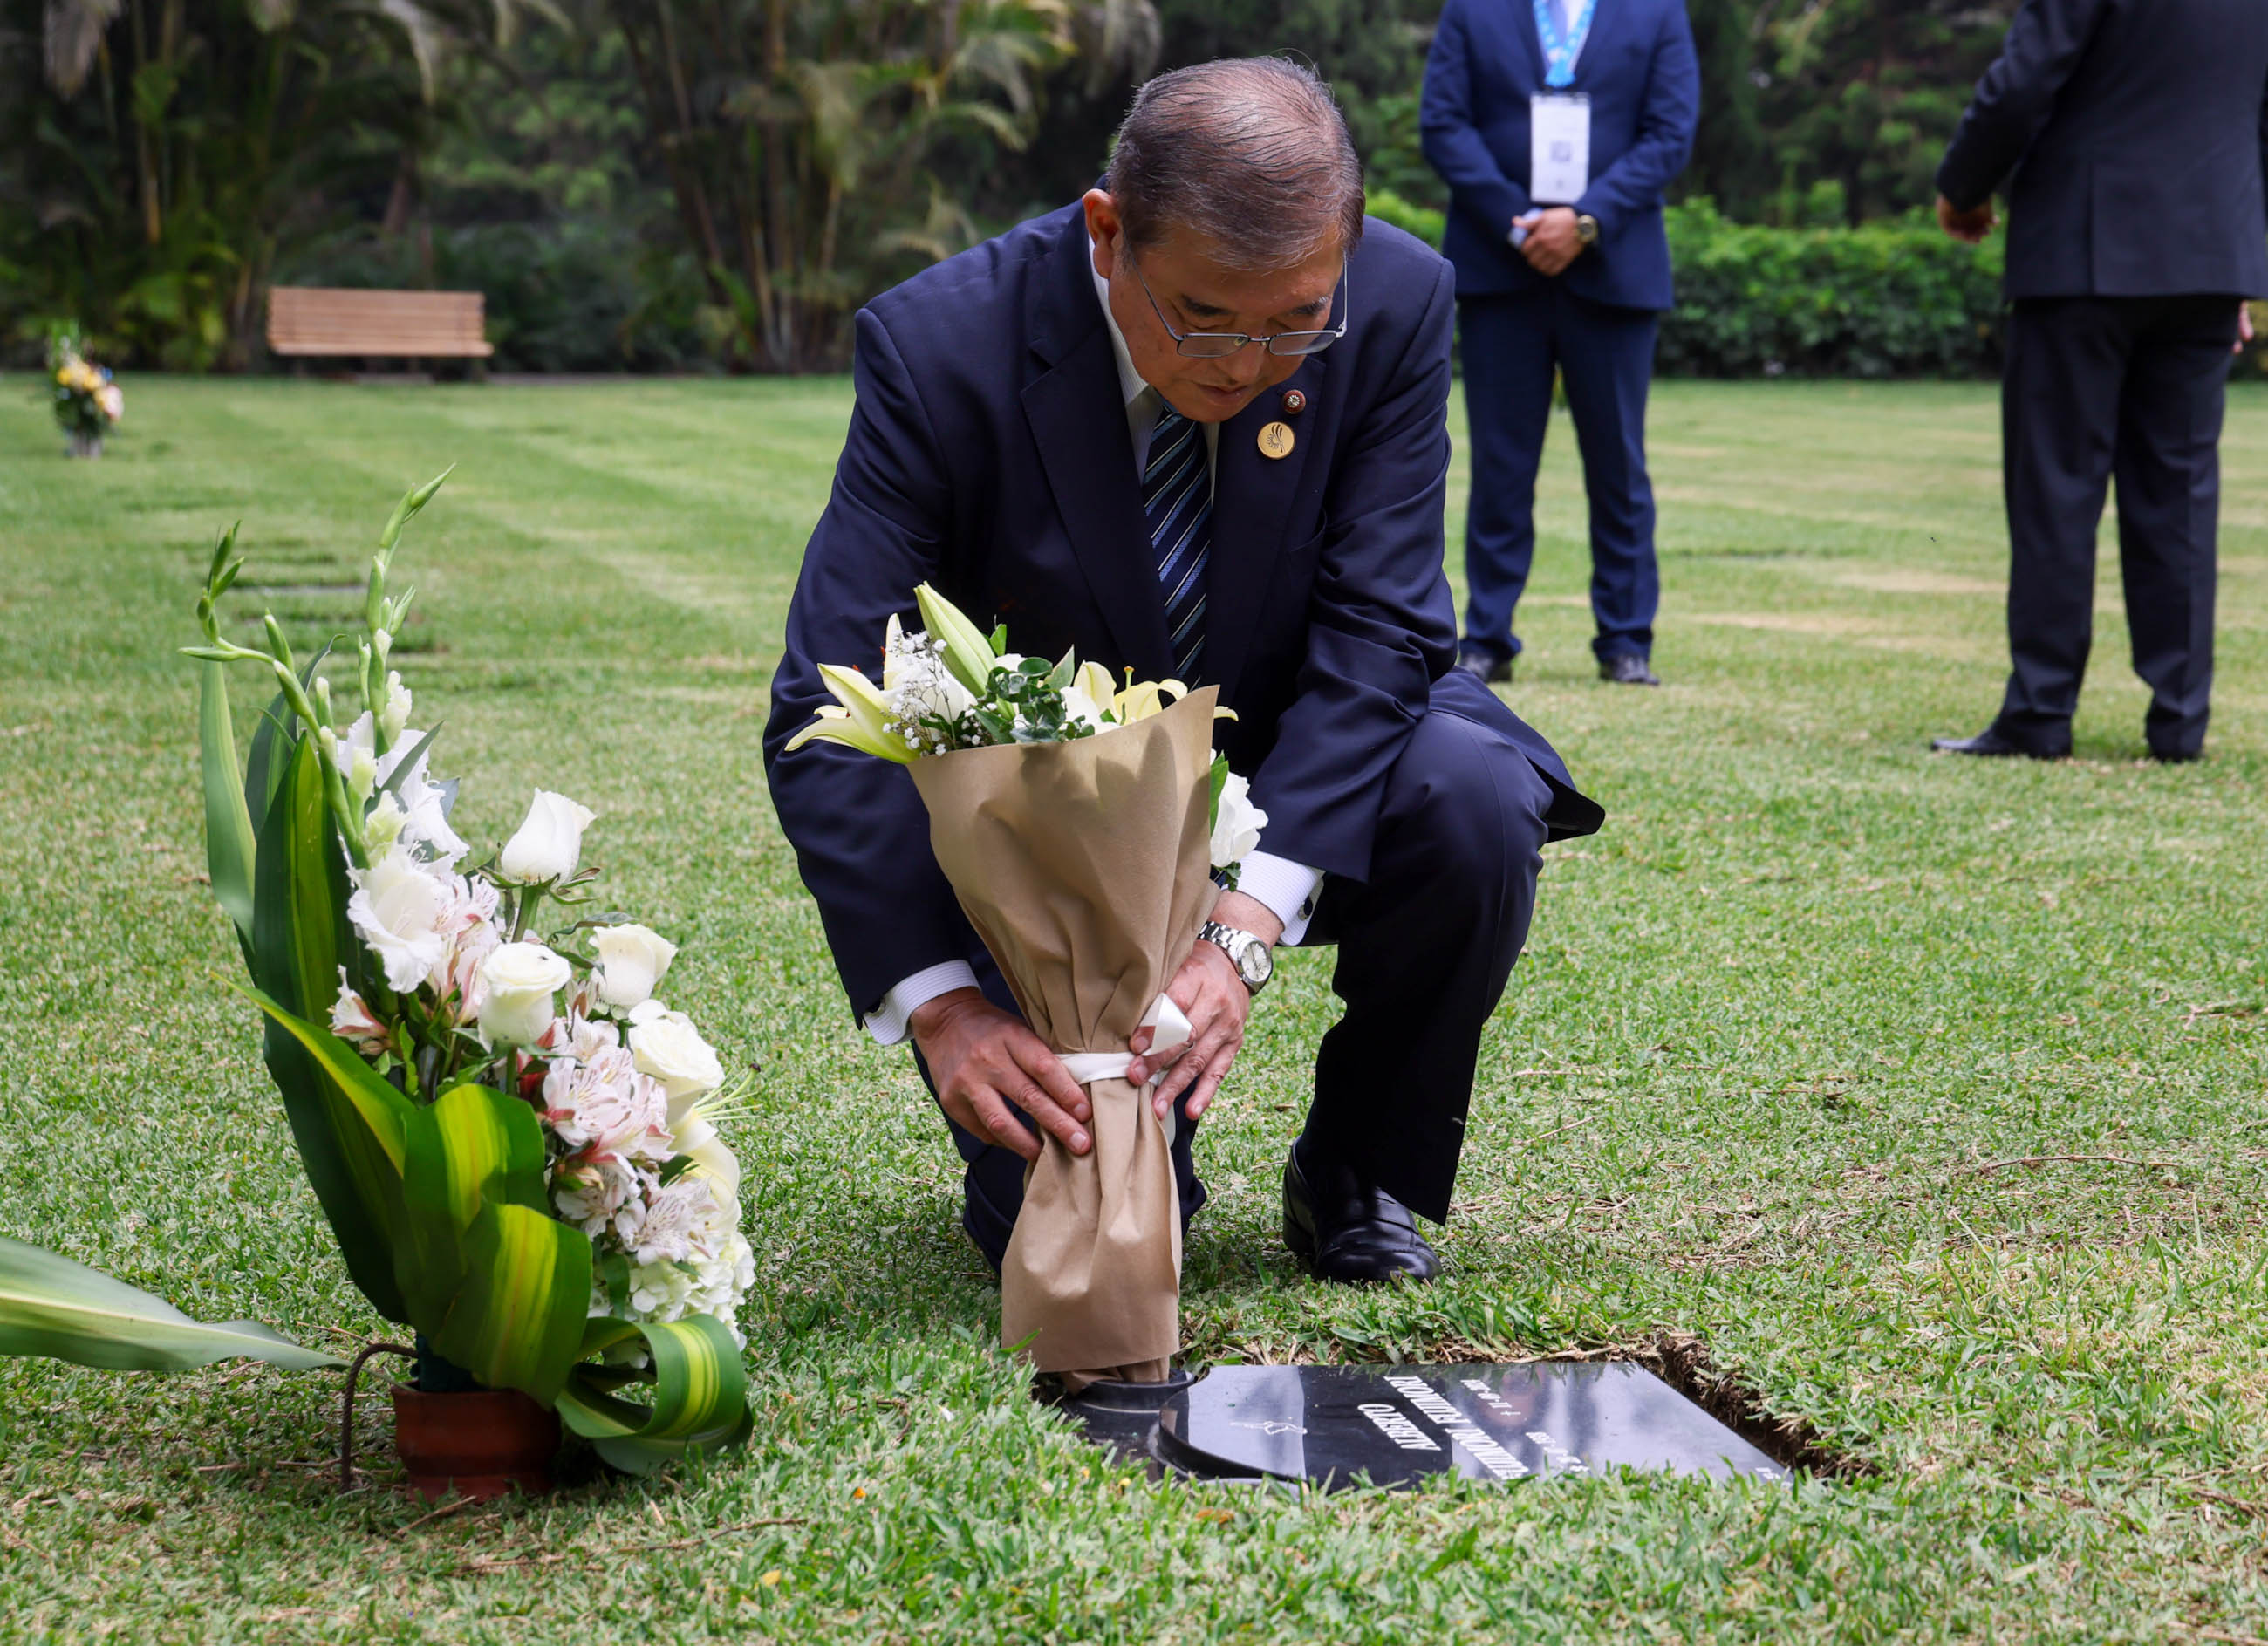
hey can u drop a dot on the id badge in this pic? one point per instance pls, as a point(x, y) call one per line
point(1559, 148)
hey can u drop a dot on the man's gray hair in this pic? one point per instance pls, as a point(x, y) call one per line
point(1251, 153)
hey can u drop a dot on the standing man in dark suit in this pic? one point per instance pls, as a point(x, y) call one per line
point(1557, 124)
point(1193, 425)
point(2130, 136)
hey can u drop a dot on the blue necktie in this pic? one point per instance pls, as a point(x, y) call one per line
point(1177, 500)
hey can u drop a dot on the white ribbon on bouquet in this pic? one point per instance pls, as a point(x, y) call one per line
point(1170, 1031)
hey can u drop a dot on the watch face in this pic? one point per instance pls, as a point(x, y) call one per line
point(1256, 965)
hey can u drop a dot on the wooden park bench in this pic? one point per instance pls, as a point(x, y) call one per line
point(305, 320)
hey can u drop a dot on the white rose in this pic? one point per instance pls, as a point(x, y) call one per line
point(1080, 708)
point(631, 961)
point(520, 980)
point(549, 843)
point(398, 906)
point(1236, 824)
point(668, 1047)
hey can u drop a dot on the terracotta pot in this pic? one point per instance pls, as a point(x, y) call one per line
point(481, 1445)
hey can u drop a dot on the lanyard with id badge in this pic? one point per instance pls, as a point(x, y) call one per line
point(1559, 122)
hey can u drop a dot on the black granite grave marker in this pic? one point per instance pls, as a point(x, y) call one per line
point(1398, 1425)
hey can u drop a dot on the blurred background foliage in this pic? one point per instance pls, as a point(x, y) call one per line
point(716, 184)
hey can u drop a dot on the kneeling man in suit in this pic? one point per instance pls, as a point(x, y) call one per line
point(1193, 425)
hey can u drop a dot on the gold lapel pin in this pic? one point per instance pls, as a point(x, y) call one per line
point(1275, 440)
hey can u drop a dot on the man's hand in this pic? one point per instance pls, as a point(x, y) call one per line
point(1216, 1001)
point(1552, 242)
point(983, 1059)
point(2244, 332)
point(1970, 226)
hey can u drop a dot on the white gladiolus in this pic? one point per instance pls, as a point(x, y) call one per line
point(549, 844)
point(1236, 828)
point(395, 716)
point(425, 817)
point(400, 906)
point(632, 960)
point(384, 825)
point(668, 1047)
point(520, 980)
point(362, 776)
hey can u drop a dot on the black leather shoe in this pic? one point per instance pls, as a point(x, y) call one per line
point(1345, 1231)
point(1990, 744)
point(1627, 668)
point(1486, 666)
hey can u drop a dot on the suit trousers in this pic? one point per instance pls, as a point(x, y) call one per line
point(1509, 345)
point(2096, 388)
point(1425, 948)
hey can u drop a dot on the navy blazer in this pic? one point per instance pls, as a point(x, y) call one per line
point(989, 454)
point(1639, 71)
point(2137, 132)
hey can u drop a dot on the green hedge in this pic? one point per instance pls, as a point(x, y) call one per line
point(1888, 299)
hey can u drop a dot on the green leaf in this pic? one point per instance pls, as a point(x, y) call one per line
point(1219, 783)
point(1064, 671)
point(473, 1147)
point(517, 1320)
point(229, 845)
point(700, 1394)
point(52, 1307)
point(347, 1121)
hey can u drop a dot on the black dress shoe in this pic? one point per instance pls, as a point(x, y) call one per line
point(1992, 745)
point(1345, 1231)
point(1627, 668)
point(1486, 666)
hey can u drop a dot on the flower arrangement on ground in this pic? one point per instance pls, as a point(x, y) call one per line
point(1081, 824)
point(87, 404)
point(512, 1135)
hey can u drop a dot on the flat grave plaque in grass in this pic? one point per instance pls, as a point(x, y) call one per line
point(1401, 1425)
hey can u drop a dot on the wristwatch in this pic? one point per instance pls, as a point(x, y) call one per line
point(1251, 958)
point(1586, 228)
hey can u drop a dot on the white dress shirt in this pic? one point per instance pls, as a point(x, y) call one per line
point(1286, 889)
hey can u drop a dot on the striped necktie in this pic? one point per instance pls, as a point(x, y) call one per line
point(1177, 500)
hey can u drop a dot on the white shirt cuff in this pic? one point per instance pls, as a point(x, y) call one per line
point(1289, 889)
point(892, 1021)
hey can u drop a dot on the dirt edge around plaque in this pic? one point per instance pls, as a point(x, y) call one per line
point(1682, 1360)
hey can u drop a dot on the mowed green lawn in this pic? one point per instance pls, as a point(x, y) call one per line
point(1774, 1025)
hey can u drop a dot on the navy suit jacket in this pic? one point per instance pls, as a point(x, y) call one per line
point(1639, 71)
point(989, 454)
point(2136, 133)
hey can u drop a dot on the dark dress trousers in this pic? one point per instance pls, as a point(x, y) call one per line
point(2128, 136)
point(989, 454)
point(1594, 321)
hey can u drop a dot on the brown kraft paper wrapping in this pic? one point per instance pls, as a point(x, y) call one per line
point(1085, 866)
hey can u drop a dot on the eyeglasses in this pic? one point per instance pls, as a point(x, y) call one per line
point(1216, 345)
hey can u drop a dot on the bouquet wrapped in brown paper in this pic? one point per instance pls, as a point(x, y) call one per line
point(1077, 825)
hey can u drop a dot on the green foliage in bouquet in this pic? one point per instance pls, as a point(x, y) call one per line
point(451, 1142)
